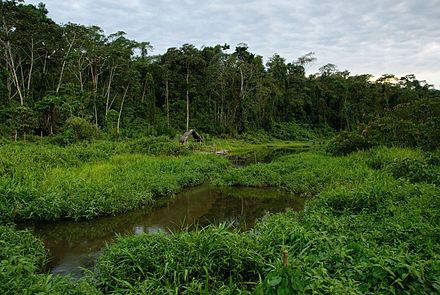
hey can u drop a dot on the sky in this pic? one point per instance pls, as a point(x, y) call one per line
point(364, 37)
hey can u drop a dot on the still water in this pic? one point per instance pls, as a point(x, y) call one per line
point(75, 246)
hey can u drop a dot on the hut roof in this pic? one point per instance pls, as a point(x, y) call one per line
point(191, 132)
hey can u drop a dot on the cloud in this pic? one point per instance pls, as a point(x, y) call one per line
point(376, 36)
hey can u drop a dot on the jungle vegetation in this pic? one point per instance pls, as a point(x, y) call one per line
point(73, 82)
point(88, 126)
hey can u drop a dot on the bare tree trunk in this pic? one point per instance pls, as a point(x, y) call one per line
point(241, 82)
point(31, 67)
point(79, 74)
point(64, 64)
point(44, 63)
point(222, 104)
point(9, 87)
point(23, 87)
point(187, 98)
point(107, 104)
point(94, 74)
point(120, 110)
point(144, 91)
point(167, 101)
point(81, 83)
point(10, 60)
point(14, 72)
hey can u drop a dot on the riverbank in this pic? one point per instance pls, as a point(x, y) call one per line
point(47, 182)
point(371, 225)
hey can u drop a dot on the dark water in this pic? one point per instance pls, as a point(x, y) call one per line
point(76, 245)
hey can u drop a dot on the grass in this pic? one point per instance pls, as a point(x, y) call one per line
point(49, 183)
point(191, 262)
point(371, 224)
point(366, 231)
point(23, 259)
point(305, 173)
point(236, 147)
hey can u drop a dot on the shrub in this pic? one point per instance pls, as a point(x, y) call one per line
point(77, 129)
point(413, 124)
point(291, 131)
point(406, 163)
point(160, 145)
point(256, 137)
point(347, 142)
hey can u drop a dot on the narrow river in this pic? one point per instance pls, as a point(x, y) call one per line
point(75, 246)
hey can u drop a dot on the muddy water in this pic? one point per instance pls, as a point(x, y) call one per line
point(75, 246)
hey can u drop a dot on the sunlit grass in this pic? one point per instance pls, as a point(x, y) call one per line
point(108, 184)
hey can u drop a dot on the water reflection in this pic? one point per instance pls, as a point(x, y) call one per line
point(76, 245)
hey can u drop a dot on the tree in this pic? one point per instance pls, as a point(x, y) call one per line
point(190, 60)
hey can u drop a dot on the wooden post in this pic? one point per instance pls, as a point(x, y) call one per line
point(285, 258)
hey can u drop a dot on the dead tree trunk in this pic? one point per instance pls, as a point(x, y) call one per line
point(120, 110)
point(187, 98)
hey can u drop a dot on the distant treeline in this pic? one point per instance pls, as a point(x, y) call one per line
point(55, 78)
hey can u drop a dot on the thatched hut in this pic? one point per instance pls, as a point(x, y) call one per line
point(191, 132)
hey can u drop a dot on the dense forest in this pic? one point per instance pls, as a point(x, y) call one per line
point(55, 78)
point(362, 154)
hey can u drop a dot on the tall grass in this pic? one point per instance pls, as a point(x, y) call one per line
point(366, 231)
point(304, 173)
point(22, 259)
point(200, 261)
point(372, 226)
point(48, 183)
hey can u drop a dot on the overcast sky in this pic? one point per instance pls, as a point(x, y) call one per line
point(368, 36)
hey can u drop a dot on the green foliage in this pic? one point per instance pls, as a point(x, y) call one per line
point(256, 137)
point(200, 261)
point(371, 228)
point(304, 173)
point(227, 93)
point(368, 234)
point(20, 120)
point(85, 181)
point(161, 145)
point(413, 124)
point(80, 129)
point(23, 258)
point(346, 142)
point(405, 163)
point(291, 131)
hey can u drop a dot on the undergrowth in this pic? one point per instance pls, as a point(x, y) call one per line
point(368, 230)
point(23, 259)
point(49, 183)
point(371, 224)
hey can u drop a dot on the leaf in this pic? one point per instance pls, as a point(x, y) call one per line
point(273, 281)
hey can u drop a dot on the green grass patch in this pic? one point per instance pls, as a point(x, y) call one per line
point(372, 226)
point(241, 147)
point(200, 261)
point(304, 173)
point(91, 181)
point(366, 231)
